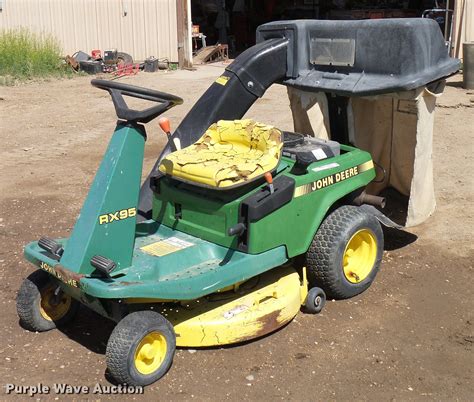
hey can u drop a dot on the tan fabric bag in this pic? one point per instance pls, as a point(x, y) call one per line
point(397, 129)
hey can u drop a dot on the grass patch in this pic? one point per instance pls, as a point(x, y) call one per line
point(26, 55)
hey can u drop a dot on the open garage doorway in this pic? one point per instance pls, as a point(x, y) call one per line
point(233, 22)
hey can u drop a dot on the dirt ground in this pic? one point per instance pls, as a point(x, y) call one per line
point(409, 337)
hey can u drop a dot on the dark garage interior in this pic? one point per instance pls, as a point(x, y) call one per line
point(233, 22)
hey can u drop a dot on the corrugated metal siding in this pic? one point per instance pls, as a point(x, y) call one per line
point(141, 28)
point(463, 25)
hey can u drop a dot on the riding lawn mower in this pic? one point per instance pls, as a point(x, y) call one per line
point(239, 225)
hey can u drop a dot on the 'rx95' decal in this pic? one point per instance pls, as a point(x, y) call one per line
point(117, 216)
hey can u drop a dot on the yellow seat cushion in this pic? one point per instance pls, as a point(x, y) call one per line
point(229, 153)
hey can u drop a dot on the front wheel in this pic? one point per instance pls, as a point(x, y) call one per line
point(315, 301)
point(141, 348)
point(346, 253)
point(42, 305)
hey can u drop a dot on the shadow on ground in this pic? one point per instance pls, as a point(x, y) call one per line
point(90, 330)
point(395, 239)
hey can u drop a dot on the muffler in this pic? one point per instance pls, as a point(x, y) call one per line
point(364, 198)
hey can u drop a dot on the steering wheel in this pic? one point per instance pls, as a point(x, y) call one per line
point(118, 90)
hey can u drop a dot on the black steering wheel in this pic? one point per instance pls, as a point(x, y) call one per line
point(118, 90)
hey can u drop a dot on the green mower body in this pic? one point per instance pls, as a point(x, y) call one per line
point(189, 254)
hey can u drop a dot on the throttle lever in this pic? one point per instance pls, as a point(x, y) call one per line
point(165, 125)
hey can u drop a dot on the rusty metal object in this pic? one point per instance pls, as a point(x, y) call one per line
point(125, 283)
point(271, 322)
point(364, 198)
point(211, 54)
point(66, 276)
point(72, 62)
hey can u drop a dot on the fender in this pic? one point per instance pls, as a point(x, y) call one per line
point(381, 217)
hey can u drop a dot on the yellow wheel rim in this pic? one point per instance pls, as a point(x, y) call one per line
point(359, 256)
point(54, 307)
point(150, 353)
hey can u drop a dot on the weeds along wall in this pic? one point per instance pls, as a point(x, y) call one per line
point(141, 28)
point(25, 55)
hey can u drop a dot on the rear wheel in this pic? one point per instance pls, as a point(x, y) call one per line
point(42, 305)
point(346, 253)
point(141, 348)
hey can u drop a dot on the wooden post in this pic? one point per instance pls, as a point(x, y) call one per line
point(183, 13)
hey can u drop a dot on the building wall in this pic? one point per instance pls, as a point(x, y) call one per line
point(141, 28)
point(463, 25)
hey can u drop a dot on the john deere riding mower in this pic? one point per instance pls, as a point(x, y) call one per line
point(239, 224)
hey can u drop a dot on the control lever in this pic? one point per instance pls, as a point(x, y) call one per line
point(269, 179)
point(174, 143)
point(236, 230)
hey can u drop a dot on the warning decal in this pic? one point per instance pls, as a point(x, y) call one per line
point(167, 246)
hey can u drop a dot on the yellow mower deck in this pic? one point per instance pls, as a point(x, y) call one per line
point(256, 308)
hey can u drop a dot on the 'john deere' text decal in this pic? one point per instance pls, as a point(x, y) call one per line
point(332, 179)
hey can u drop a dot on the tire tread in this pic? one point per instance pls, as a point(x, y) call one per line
point(27, 304)
point(122, 340)
point(324, 249)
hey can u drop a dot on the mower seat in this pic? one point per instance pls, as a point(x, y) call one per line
point(229, 154)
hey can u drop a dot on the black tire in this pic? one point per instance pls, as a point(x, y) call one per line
point(315, 300)
point(35, 302)
point(325, 256)
point(124, 58)
point(124, 343)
